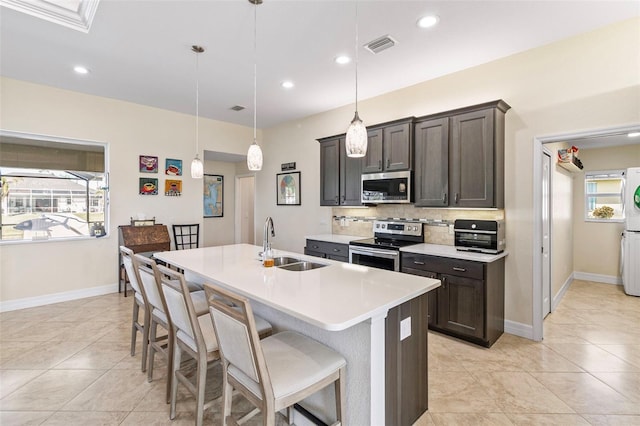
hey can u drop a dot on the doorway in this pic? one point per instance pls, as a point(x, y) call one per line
point(245, 209)
point(539, 269)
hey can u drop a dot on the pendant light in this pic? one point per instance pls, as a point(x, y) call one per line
point(197, 169)
point(356, 140)
point(254, 155)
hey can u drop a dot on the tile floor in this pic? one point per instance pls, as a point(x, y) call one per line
point(69, 364)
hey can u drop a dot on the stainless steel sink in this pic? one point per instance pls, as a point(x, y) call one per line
point(284, 260)
point(302, 266)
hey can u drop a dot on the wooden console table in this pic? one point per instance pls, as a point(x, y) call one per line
point(140, 239)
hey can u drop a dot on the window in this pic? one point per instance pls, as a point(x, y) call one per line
point(52, 188)
point(604, 196)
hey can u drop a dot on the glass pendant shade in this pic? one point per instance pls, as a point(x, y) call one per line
point(254, 157)
point(197, 169)
point(356, 140)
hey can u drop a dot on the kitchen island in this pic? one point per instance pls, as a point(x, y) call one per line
point(347, 307)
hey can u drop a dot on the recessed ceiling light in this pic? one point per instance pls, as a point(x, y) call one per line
point(342, 59)
point(287, 84)
point(428, 21)
point(80, 69)
point(633, 134)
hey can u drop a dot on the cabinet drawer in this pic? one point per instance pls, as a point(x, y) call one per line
point(443, 265)
point(329, 249)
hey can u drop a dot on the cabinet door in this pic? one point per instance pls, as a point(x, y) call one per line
point(372, 162)
point(350, 178)
point(396, 152)
point(330, 172)
point(471, 159)
point(432, 163)
point(461, 305)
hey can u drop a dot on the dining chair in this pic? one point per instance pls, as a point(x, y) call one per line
point(273, 373)
point(139, 301)
point(186, 236)
point(193, 334)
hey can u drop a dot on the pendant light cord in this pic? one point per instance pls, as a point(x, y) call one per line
point(197, 99)
point(255, 69)
point(356, 49)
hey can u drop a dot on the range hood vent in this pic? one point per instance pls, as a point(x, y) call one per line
point(378, 45)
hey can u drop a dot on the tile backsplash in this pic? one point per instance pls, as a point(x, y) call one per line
point(358, 221)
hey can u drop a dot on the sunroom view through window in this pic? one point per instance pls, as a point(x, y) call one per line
point(52, 188)
point(604, 196)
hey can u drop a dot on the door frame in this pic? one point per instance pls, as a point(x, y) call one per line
point(538, 142)
point(549, 179)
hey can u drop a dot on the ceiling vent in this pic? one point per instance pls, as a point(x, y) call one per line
point(378, 45)
point(237, 108)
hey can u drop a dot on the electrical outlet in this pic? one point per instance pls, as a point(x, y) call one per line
point(450, 229)
point(405, 328)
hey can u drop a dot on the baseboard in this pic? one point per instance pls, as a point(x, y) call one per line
point(555, 300)
point(598, 278)
point(30, 302)
point(518, 329)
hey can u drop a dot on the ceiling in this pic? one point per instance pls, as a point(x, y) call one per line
point(140, 51)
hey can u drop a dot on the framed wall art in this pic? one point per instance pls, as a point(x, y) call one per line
point(288, 189)
point(173, 187)
point(148, 186)
point(213, 196)
point(148, 164)
point(173, 167)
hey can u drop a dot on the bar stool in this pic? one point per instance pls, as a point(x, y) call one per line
point(273, 373)
point(192, 334)
point(139, 301)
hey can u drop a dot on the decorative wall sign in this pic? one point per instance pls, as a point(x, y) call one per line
point(148, 164)
point(288, 189)
point(173, 167)
point(173, 187)
point(212, 196)
point(288, 166)
point(148, 186)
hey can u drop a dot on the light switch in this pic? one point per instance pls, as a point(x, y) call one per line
point(405, 328)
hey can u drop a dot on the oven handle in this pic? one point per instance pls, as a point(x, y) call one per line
point(382, 253)
point(474, 231)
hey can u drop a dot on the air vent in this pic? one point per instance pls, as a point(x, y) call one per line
point(378, 45)
point(237, 108)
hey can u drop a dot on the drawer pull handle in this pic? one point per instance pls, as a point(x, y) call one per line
point(316, 247)
point(459, 269)
point(336, 250)
point(418, 263)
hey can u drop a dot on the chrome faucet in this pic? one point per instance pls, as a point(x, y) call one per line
point(266, 245)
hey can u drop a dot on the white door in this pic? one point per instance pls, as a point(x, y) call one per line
point(245, 196)
point(546, 233)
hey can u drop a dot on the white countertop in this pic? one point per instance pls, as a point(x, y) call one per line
point(450, 251)
point(334, 238)
point(334, 297)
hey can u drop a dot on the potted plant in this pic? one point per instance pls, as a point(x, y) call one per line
point(604, 212)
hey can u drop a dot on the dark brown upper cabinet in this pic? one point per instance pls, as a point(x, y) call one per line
point(340, 176)
point(460, 157)
point(390, 147)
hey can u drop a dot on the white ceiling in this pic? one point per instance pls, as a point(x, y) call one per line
point(140, 51)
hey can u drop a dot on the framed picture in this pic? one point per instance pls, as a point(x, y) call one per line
point(213, 196)
point(173, 187)
point(173, 167)
point(148, 164)
point(143, 222)
point(148, 186)
point(288, 189)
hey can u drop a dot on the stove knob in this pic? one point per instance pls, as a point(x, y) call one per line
point(384, 226)
point(377, 225)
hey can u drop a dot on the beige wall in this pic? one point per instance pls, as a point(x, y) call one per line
point(218, 231)
point(45, 268)
point(596, 245)
point(586, 82)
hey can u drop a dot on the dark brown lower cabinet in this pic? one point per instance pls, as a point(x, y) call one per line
point(327, 250)
point(470, 302)
point(406, 363)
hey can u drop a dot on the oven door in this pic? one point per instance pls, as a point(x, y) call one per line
point(376, 258)
point(484, 241)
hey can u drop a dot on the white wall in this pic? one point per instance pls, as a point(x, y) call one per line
point(596, 245)
point(218, 231)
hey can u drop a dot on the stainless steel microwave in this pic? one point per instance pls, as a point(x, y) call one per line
point(390, 188)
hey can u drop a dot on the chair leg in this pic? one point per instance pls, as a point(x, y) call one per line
point(177, 355)
point(170, 349)
point(134, 329)
point(201, 381)
point(227, 395)
point(145, 339)
point(153, 330)
point(340, 394)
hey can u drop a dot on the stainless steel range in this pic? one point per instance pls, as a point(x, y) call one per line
point(383, 251)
